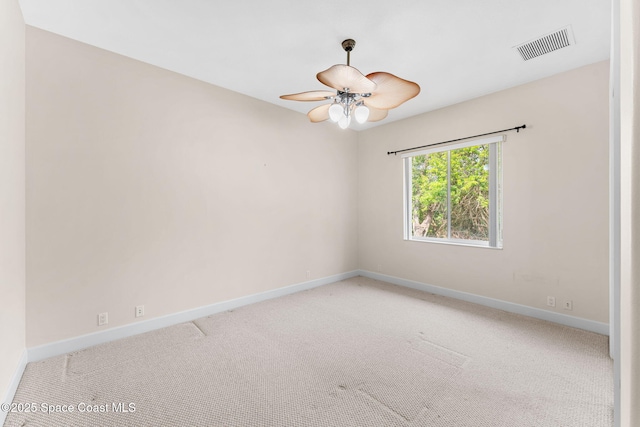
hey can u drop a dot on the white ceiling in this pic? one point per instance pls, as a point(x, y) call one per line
point(455, 50)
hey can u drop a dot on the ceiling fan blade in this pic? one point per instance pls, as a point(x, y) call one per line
point(342, 77)
point(319, 114)
point(376, 114)
point(391, 91)
point(313, 95)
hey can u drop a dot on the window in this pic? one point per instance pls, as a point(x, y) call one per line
point(453, 193)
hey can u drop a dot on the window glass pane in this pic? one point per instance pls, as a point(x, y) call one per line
point(455, 195)
point(429, 195)
point(470, 193)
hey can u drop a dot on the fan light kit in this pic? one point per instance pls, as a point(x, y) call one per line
point(367, 98)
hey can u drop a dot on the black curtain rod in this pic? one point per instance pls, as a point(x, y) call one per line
point(517, 128)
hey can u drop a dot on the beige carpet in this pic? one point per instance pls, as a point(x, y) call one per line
point(355, 353)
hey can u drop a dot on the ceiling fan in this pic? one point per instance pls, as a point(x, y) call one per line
point(367, 98)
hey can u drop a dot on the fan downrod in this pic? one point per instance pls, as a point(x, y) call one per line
point(348, 46)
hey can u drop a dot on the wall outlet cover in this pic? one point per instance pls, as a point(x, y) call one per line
point(139, 310)
point(103, 319)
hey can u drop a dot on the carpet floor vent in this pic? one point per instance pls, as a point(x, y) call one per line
point(545, 44)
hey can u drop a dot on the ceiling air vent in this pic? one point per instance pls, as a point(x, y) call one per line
point(545, 44)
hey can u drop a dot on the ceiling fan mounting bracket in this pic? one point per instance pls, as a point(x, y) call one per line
point(348, 45)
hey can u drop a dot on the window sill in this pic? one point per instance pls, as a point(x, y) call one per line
point(468, 243)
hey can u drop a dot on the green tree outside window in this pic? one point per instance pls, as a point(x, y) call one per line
point(450, 194)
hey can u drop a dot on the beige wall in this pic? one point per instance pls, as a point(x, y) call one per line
point(12, 165)
point(555, 196)
point(630, 211)
point(148, 187)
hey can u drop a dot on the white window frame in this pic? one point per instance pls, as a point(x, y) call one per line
point(495, 193)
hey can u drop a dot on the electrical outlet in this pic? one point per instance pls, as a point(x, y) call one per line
point(568, 305)
point(139, 310)
point(103, 319)
point(551, 301)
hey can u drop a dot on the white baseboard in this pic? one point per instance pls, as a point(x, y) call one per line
point(563, 319)
point(13, 385)
point(78, 343)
